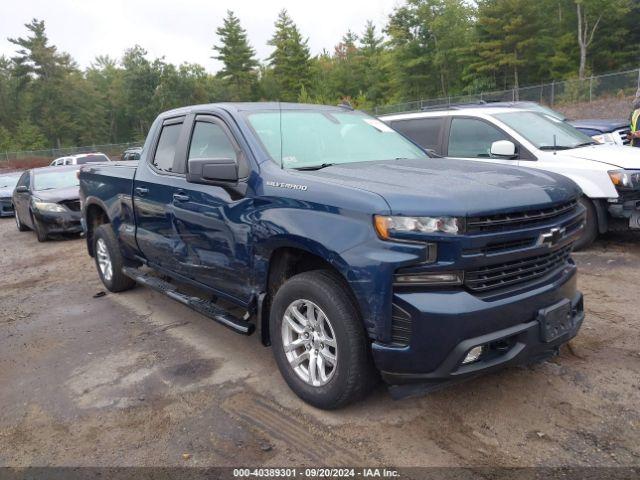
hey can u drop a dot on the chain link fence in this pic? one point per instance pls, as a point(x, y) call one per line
point(613, 85)
point(39, 158)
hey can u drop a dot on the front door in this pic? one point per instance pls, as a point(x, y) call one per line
point(471, 139)
point(21, 199)
point(213, 222)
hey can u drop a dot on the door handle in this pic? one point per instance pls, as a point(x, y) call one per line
point(179, 197)
point(142, 191)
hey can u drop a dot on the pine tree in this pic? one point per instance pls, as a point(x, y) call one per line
point(290, 60)
point(238, 58)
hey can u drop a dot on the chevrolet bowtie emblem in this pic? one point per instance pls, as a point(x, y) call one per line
point(552, 237)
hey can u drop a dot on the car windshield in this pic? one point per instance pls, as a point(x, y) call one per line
point(310, 139)
point(9, 181)
point(545, 132)
point(52, 180)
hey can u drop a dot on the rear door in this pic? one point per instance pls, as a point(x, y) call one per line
point(154, 185)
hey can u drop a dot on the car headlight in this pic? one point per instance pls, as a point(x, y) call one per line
point(388, 226)
point(604, 138)
point(48, 207)
point(625, 179)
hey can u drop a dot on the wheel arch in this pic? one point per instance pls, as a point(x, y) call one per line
point(95, 214)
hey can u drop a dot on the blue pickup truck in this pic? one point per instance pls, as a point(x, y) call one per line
point(344, 245)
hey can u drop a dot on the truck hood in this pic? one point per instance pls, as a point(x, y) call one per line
point(452, 187)
point(58, 195)
point(616, 155)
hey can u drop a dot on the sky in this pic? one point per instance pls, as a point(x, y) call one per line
point(180, 30)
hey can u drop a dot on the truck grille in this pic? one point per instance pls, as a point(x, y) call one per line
point(516, 272)
point(400, 326)
point(622, 134)
point(510, 221)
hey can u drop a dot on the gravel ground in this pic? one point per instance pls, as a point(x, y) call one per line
point(135, 379)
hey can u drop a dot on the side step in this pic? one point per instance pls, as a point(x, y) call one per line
point(204, 307)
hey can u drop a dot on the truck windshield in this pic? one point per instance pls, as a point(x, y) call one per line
point(54, 180)
point(313, 138)
point(545, 132)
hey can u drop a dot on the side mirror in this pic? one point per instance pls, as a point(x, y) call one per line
point(213, 171)
point(503, 149)
point(22, 189)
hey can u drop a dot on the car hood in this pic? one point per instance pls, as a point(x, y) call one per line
point(6, 192)
point(452, 187)
point(598, 124)
point(58, 195)
point(616, 155)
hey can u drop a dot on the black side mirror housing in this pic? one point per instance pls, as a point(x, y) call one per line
point(22, 189)
point(216, 171)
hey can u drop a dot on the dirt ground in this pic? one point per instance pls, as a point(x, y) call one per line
point(135, 379)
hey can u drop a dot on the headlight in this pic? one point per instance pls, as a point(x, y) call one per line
point(625, 179)
point(387, 226)
point(48, 207)
point(604, 138)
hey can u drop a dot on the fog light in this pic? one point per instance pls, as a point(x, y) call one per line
point(473, 355)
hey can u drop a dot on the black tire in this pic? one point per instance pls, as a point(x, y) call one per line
point(118, 281)
point(354, 373)
point(590, 231)
point(19, 225)
point(41, 233)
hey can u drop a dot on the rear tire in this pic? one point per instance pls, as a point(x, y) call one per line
point(590, 231)
point(109, 260)
point(19, 225)
point(335, 339)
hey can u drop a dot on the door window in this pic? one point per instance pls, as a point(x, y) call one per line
point(471, 138)
point(25, 180)
point(209, 140)
point(424, 131)
point(165, 153)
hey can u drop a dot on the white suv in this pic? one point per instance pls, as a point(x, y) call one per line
point(609, 175)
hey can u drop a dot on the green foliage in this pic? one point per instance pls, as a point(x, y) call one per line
point(290, 60)
point(428, 48)
point(238, 58)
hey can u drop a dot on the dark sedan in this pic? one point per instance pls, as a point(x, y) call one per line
point(47, 201)
point(7, 184)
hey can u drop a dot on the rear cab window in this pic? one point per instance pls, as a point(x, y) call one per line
point(166, 150)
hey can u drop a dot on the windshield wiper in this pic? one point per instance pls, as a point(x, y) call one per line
point(555, 147)
point(315, 167)
point(585, 144)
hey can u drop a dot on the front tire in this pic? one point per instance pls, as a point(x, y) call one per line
point(41, 233)
point(590, 231)
point(319, 341)
point(19, 225)
point(109, 260)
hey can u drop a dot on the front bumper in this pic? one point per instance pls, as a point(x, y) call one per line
point(6, 207)
point(625, 210)
point(446, 325)
point(59, 222)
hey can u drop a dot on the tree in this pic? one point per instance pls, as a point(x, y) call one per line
point(290, 60)
point(238, 58)
point(374, 76)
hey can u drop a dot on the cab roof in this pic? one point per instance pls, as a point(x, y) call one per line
point(236, 107)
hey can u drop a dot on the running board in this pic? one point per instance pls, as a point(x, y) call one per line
point(204, 307)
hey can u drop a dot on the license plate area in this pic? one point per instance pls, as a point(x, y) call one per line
point(555, 320)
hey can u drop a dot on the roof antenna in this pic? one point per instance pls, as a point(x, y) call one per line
point(281, 136)
point(555, 145)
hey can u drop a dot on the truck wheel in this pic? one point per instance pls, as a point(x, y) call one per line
point(590, 231)
point(41, 233)
point(109, 261)
point(21, 227)
point(319, 341)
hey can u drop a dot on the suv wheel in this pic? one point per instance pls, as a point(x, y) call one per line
point(319, 341)
point(109, 261)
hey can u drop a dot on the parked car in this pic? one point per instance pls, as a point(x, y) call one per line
point(80, 159)
point(47, 201)
point(613, 132)
point(132, 153)
point(346, 246)
point(609, 175)
point(8, 182)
